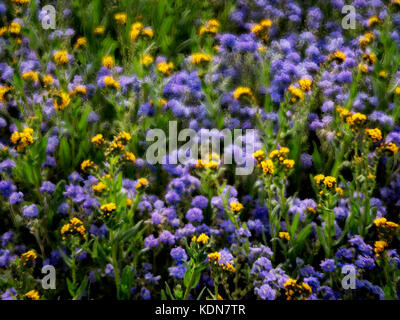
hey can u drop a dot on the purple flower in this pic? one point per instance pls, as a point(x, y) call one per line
point(328, 265)
point(200, 202)
point(194, 214)
point(16, 197)
point(48, 187)
point(179, 254)
point(265, 292)
point(30, 211)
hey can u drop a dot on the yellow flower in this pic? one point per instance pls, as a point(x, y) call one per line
point(30, 75)
point(61, 57)
point(214, 257)
point(198, 58)
point(75, 226)
point(380, 247)
point(319, 178)
point(363, 68)
point(373, 20)
point(210, 27)
point(99, 30)
point(259, 155)
point(108, 208)
point(305, 84)
point(31, 295)
point(81, 41)
point(397, 91)
point(383, 74)
point(390, 147)
point(147, 59)
point(236, 206)
point(240, 91)
point(130, 157)
point(338, 56)
point(356, 119)
point(99, 187)
point(61, 100)
point(136, 28)
point(120, 17)
point(14, 28)
point(142, 182)
point(296, 93)
point(284, 235)
point(48, 79)
point(86, 164)
point(369, 58)
point(289, 163)
point(108, 62)
point(148, 31)
point(165, 68)
point(202, 238)
point(109, 81)
point(329, 181)
point(29, 256)
point(3, 92)
point(22, 139)
point(128, 202)
point(374, 134)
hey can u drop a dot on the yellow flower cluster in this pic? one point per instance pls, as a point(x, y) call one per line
point(211, 163)
point(391, 147)
point(211, 27)
point(373, 21)
point(120, 17)
point(142, 183)
point(338, 56)
point(138, 29)
point(108, 208)
point(28, 258)
point(81, 41)
point(109, 81)
point(147, 59)
point(374, 134)
point(31, 295)
point(295, 290)
point(99, 187)
point(108, 61)
point(129, 157)
point(99, 30)
point(61, 100)
point(202, 238)
point(22, 139)
point(386, 228)
point(261, 29)
point(284, 235)
point(14, 28)
point(379, 247)
point(20, 1)
point(30, 75)
point(98, 139)
point(366, 39)
point(120, 141)
point(61, 57)
point(369, 58)
point(242, 91)
point(296, 94)
point(236, 206)
point(356, 119)
point(86, 164)
point(199, 57)
point(165, 68)
point(3, 92)
point(78, 89)
point(259, 155)
point(213, 259)
point(74, 227)
point(305, 84)
point(328, 181)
